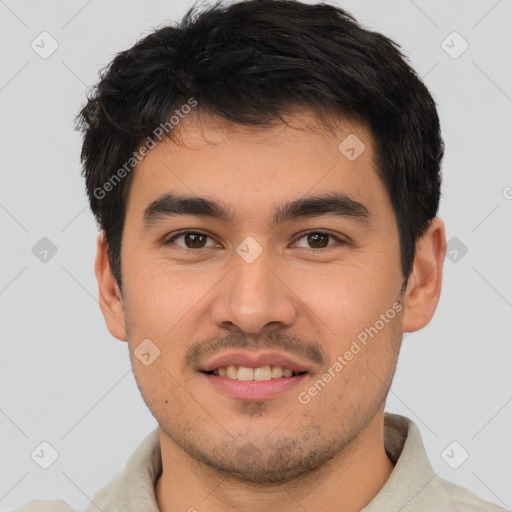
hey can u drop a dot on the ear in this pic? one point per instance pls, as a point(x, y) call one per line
point(424, 283)
point(110, 297)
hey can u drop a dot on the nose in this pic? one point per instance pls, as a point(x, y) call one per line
point(253, 298)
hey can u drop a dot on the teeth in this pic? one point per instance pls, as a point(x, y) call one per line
point(231, 371)
point(276, 372)
point(261, 373)
point(245, 373)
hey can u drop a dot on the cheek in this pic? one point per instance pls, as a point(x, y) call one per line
point(162, 392)
point(349, 298)
point(161, 295)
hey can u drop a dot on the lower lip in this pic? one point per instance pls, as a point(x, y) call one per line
point(254, 389)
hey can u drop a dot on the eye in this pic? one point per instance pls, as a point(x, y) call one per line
point(191, 240)
point(317, 240)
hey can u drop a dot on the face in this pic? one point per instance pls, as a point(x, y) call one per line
point(248, 275)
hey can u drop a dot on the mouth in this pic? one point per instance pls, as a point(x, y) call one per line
point(253, 376)
point(246, 373)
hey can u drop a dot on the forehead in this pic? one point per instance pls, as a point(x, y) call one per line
point(254, 168)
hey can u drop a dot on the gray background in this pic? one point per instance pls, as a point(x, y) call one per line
point(66, 381)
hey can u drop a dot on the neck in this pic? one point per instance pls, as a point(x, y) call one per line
point(346, 484)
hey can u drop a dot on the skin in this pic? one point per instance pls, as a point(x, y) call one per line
point(220, 453)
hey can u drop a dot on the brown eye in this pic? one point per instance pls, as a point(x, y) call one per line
point(317, 240)
point(191, 240)
point(194, 240)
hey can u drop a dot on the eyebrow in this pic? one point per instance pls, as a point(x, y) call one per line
point(338, 204)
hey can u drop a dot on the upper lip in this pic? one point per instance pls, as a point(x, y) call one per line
point(254, 360)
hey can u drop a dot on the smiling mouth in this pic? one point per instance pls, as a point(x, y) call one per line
point(245, 373)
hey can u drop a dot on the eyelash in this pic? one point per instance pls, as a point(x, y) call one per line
point(302, 235)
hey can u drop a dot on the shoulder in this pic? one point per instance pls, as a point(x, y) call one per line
point(459, 499)
point(413, 486)
point(46, 506)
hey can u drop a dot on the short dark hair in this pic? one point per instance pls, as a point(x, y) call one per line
point(252, 62)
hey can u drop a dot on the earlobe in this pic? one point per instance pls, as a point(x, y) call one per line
point(110, 297)
point(424, 283)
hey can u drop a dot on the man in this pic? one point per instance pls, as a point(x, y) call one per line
point(266, 177)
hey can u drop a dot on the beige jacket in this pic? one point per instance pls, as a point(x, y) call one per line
point(412, 487)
